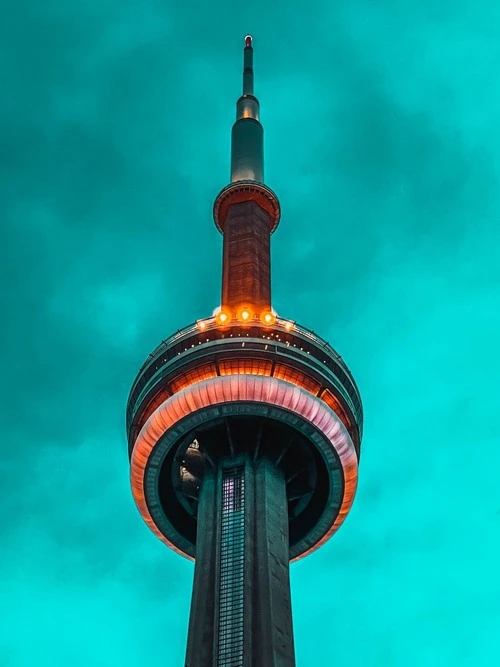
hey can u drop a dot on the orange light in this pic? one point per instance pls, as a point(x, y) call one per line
point(201, 324)
point(288, 326)
point(245, 314)
point(268, 317)
point(223, 317)
point(199, 374)
point(245, 367)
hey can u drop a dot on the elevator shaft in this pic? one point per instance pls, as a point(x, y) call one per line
point(241, 609)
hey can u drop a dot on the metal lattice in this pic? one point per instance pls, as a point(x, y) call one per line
point(231, 570)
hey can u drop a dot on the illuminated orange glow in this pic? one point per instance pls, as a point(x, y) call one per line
point(335, 405)
point(245, 314)
point(243, 388)
point(242, 366)
point(249, 367)
point(143, 414)
point(288, 326)
point(191, 377)
point(296, 377)
point(258, 367)
point(267, 317)
point(201, 324)
point(223, 317)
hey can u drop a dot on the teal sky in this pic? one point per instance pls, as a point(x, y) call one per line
point(383, 144)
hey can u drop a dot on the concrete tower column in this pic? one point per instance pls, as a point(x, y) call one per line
point(273, 634)
point(199, 651)
point(241, 612)
point(246, 265)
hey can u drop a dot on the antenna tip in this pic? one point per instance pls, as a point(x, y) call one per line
point(248, 41)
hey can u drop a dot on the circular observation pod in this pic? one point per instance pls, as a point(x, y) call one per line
point(207, 395)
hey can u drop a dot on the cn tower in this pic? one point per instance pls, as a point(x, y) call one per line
point(244, 433)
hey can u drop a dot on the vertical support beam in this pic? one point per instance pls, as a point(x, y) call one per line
point(202, 617)
point(273, 636)
point(242, 568)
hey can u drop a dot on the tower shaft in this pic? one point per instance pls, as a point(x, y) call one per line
point(246, 266)
point(241, 609)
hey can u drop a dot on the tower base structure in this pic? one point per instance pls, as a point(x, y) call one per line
point(241, 609)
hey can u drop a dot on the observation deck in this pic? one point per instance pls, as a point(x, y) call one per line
point(225, 374)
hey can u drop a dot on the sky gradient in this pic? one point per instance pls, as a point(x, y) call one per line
point(383, 144)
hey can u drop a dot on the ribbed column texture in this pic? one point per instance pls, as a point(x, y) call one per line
point(246, 257)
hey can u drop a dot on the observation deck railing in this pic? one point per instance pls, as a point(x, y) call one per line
point(182, 341)
point(286, 326)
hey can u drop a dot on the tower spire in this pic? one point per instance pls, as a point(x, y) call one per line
point(247, 141)
point(247, 154)
point(248, 66)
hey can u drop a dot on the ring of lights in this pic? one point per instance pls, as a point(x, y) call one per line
point(205, 400)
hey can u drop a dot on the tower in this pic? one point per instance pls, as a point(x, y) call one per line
point(244, 432)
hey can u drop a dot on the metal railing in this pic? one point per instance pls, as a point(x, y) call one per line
point(210, 324)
